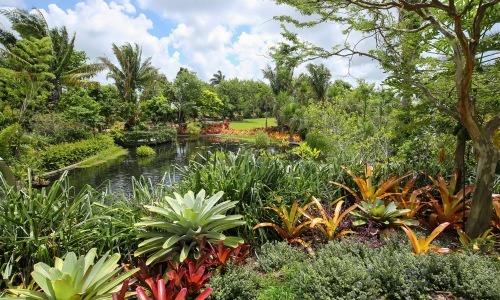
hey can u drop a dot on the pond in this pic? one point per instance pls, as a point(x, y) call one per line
point(118, 173)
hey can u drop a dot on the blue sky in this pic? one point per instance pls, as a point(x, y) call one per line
point(233, 36)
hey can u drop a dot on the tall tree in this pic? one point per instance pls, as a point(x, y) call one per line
point(32, 24)
point(135, 79)
point(217, 78)
point(26, 69)
point(319, 78)
point(447, 39)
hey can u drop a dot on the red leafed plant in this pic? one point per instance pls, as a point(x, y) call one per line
point(222, 255)
point(191, 278)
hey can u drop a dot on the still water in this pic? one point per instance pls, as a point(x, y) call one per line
point(118, 173)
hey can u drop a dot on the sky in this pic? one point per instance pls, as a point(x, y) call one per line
point(233, 36)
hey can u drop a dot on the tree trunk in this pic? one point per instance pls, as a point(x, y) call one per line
point(460, 158)
point(482, 205)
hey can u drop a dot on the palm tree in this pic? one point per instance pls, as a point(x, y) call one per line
point(32, 24)
point(319, 78)
point(134, 79)
point(217, 78)
point(280, 78)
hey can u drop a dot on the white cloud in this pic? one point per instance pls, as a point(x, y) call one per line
point(204, 36)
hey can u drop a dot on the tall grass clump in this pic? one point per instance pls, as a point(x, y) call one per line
point(37, 225)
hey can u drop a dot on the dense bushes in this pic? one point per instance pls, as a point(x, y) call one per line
point(351, 270)
point(137, 138)
point(9, 140)
point(58, 156)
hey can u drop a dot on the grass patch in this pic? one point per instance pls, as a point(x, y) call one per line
point(249, 124)
point(103, 156)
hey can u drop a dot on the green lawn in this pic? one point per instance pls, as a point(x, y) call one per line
point(249, 124)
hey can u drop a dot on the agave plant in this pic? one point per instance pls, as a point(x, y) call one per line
point(76, 278)
point(385, 215)
point(182, 222)
point(370, 191)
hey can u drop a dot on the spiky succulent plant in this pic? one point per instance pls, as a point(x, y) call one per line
point(178, 224)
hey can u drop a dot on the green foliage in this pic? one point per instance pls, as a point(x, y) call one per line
point(158, 109)
point(57, 129)
point(317, 140)
point(145, 151)
point(276, 256)
point(27, 67)
point(77, 105)
point(182, 222)
point(256, 180)
point(136, 138)
point(346, 269)
point(135, 79)
point(58, 156)
point(9, 140)
point(237, 283)
point(304, 151)
point(262, 140)
point(39, 224)
point(76, 278)
point(193, 129)
point(211, 104)
point(385, 215)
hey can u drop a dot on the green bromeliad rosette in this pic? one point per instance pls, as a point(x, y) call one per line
point(177, 225)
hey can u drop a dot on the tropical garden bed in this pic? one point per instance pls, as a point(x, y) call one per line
point(354, 247)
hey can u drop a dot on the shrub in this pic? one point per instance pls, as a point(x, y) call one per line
point(275, 256)
point(348, 269)
point(58, 156)
point(58, 129)
point(137, 138)
point(262, 140)
point(317, 140)
point(304, 151)
point(193, 129)
point(9, 140)
point(145, 151)
point(238, 283)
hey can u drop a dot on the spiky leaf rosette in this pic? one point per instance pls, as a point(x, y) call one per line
point(179, 223)
point(76, 278)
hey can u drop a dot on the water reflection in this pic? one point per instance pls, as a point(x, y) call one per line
point(117, 174)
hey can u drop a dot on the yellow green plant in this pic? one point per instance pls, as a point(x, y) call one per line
point(328, 226)
point(448, 207)
point(385, 215)
point(293, 227)
point(484, 242)
point(368, 190)
point(422, 245)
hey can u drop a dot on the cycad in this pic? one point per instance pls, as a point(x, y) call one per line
point(182, 222)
